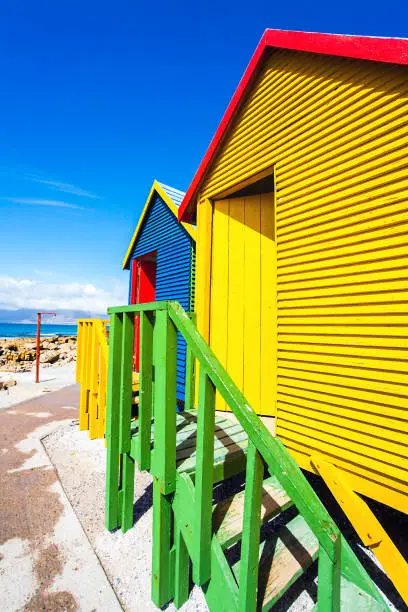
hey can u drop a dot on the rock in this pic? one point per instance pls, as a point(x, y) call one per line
point(5, 384)
point(65, 348)
point(49, 356)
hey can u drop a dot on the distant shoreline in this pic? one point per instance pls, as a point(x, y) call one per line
point(10, 331)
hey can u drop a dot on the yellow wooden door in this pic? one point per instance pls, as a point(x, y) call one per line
point(243, 323)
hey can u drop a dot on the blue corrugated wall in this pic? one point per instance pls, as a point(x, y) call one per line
point(161, 232)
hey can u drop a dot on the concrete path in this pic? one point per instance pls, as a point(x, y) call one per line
point(46, 561)
point(52, 378)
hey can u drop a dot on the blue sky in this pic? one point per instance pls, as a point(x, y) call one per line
point(98, 99)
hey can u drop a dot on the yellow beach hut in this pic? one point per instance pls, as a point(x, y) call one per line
point(302, 255)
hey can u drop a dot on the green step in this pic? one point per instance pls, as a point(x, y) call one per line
point(284, 556)
point(230, 444)
point(354, 598)
point(228, 515)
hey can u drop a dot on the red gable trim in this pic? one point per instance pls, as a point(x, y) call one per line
point(390, 50)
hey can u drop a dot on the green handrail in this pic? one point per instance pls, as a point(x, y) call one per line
point(160, 322)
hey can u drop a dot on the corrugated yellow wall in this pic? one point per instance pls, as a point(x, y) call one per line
point(335, 131)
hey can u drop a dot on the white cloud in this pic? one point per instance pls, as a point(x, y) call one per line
point(41, 202)
point(27, 293)
point(65, 187)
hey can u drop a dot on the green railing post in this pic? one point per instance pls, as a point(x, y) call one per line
point(189, 395)
point(112, 422)
point(181, 574)
point(329, 577)
point(161, 557)
point(204, 480)
point(165, 363)
point(125, 415)
point(248, 575)
point(145, 390)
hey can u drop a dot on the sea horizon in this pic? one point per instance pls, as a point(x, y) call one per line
point(29, 330)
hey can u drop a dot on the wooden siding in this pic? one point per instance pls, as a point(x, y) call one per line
point(335, 132)
point(161, 232)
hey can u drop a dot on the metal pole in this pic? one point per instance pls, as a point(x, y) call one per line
point(37, 351)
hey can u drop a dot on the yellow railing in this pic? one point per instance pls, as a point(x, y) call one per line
point(91, 373)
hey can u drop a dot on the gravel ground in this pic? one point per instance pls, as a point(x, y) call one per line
point(126, 558)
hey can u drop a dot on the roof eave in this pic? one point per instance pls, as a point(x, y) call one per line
point(156, 188)
point(388, 50)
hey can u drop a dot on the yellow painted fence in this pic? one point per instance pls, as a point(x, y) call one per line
point(91, 373)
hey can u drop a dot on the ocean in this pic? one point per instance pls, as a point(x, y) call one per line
point(29, 330)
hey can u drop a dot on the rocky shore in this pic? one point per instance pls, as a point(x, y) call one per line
point(18, 354)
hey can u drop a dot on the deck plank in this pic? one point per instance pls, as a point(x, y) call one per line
point(228, 515)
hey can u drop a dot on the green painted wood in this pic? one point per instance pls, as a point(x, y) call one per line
point(228, 460)
point(279, 462)
point(189, 396)
point(328, 585)
point(248, 575)
point(125, 403)
point(161, 551)
point(354, 572)
point(284, 556)
point(228, 515)
point(225, 464)
point(354, 598)
point(181, 572)
point(229, 441)
point(128, 486)
point(315, 521)
point(146, 307)
point(145, 390)
point(221, 592)
point(112, 423)
point(134, 448)
point(204, 480)
point(165, 360)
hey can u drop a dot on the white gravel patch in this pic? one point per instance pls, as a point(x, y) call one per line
point(126, 558)
point(16, 586)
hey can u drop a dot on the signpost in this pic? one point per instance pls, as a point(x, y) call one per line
point(37, 352)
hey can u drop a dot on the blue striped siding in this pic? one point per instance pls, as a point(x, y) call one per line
point(175, 194)
point(162, 233)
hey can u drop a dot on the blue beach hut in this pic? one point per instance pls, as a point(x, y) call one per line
point(161, 261)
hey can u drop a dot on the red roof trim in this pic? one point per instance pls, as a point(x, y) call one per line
point(390, 50)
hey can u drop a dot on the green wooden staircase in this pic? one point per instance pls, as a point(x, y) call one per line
point(248, 547)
